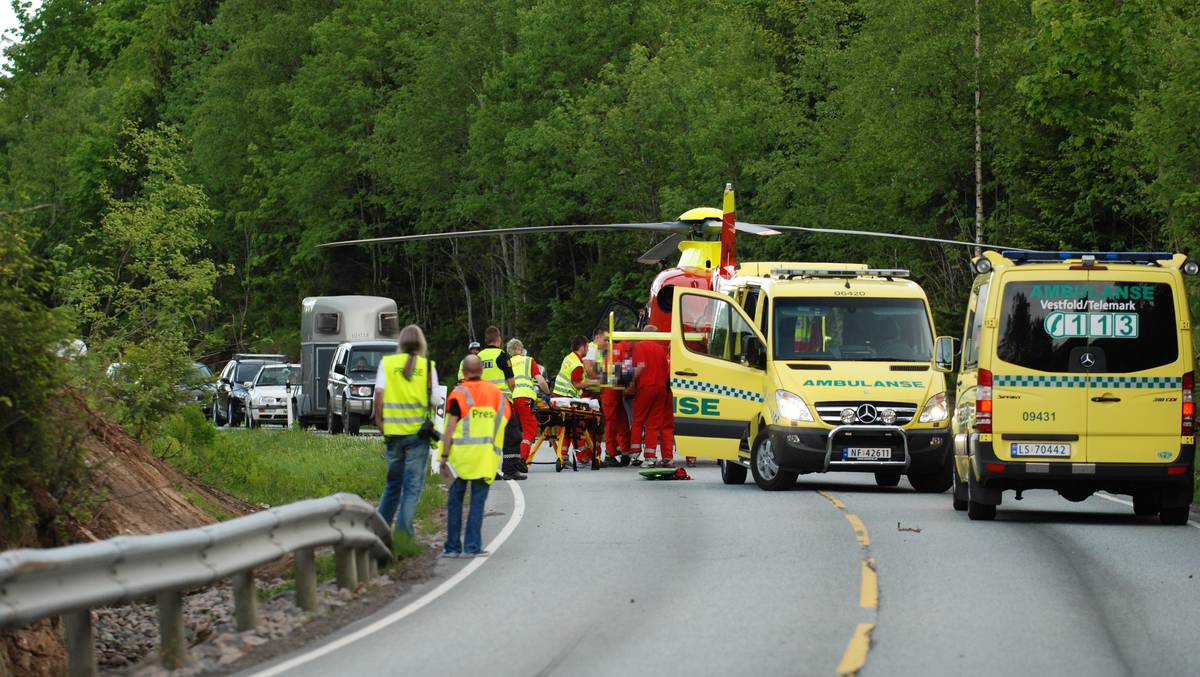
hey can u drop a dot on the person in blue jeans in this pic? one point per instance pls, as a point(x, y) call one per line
point(404, 391)
point(407, 463)
point(476, 414)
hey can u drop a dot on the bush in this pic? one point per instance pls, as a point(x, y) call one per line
point(42, 474)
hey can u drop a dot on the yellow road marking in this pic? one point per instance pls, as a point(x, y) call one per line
point(860, 529)
point(855, 656)
point(868, 596)
point(832, 499)
point(856, 652)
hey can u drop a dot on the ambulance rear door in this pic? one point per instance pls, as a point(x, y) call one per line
point(718, 370)
point(1039, 395)
point(1135, 364)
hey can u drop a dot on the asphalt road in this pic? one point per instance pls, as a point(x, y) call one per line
point(606, 573)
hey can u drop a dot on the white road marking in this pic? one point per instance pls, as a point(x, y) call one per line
point(417, 604)
point(1114, 499)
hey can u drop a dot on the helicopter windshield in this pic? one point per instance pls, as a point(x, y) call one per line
point(852, 329)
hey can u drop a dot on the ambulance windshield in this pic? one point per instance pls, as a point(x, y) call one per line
point(852, 329)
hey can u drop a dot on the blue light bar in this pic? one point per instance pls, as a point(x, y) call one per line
point(1116, 257)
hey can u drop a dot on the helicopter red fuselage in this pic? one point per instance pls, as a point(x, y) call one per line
point(662, 290)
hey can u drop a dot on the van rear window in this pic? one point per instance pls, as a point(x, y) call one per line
point(1133, 323)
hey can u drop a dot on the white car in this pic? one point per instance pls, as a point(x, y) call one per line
point(269, 392)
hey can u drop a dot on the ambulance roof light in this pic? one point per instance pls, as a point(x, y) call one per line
point(789, 273)
point(1149, 258)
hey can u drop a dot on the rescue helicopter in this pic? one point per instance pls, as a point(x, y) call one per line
point(701, 261)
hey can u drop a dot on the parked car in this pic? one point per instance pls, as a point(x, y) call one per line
point(351, 384)
point(230, 394)
point(201, 387)
point(267, 398)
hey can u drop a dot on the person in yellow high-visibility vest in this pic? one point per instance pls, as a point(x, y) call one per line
point(497, 370)
point(404, 387)
point(571, 380)
point(530, 383)
point(476, 415)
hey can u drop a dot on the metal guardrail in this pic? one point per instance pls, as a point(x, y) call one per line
point(72, 580)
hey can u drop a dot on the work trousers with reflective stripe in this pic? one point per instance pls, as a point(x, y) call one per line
point(523, 411)
point(616, 423)
point(511, 461)
point(648, 406)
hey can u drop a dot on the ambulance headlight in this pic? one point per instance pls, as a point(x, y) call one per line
point(888, 416)
point(791, 407)
point(847, 416)
point(936, 409)
point(1191, 267)
point(983, 266)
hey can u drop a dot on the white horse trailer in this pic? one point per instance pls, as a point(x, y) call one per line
point(325, 323)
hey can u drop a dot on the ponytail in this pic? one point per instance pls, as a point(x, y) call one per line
point(412, 341)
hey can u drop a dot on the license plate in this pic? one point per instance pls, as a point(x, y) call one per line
point(1040, 449)
point(868, 453)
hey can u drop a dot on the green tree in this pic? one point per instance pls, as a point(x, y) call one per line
point(147, 282)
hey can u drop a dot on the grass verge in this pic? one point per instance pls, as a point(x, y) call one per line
point(274, 467)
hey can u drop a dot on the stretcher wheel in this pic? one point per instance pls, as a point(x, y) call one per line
point(558, 466)
point(595, 461)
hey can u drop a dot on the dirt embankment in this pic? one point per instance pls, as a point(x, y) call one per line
point(137, 494)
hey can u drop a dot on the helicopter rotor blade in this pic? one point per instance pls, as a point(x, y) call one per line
point(677, 227)
point(661, 250)
point(742, 227)
point(897, 236)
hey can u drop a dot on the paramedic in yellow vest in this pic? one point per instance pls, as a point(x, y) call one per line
point(528, 376)
point(497, 370)
point(571, 380)
point(476, 415)
point(404, 387)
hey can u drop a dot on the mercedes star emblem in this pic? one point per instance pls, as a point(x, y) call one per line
point(867, 413)
point(1087, 360)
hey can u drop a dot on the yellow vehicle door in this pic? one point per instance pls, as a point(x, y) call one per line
point(718, 361)
point(1136, 329)
point(1039, 388)
point(967, 384)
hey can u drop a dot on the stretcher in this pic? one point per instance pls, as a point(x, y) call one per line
point(564, 419)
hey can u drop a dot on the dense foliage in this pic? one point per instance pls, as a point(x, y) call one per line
point(281, 124)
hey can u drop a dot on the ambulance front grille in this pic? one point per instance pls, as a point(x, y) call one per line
point(831, 412)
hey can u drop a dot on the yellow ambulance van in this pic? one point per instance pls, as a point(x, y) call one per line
point(1077, 376)
point(793, 368)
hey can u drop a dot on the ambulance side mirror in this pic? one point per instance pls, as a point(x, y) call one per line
point(943, 354)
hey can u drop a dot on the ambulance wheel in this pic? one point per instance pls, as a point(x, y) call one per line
point(960, 492)
point(1146, 505)
point(934, 482)
point(767, 473)
point(981, 511)
point(975, 509)
point(733, 473)
point(887, 479)
point(1174, 516)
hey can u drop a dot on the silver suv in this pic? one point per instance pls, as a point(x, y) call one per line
point(351, 384)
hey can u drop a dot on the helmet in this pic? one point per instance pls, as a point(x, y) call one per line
point(473, 345)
